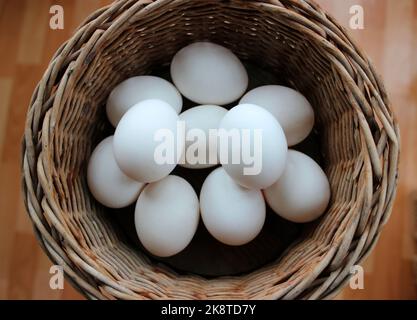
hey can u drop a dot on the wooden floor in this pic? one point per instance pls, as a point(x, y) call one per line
point(26, 45)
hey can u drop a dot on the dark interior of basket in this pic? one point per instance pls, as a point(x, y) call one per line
point(273, 45)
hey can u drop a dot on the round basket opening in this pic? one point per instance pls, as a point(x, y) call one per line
point(292, 43)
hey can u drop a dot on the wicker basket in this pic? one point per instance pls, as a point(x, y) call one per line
point(294, 39)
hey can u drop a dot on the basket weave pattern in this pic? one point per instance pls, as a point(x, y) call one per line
point(295, 39)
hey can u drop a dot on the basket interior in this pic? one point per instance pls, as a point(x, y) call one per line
point(261, 35)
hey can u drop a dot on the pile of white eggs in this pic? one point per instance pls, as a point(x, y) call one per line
point(123, 168)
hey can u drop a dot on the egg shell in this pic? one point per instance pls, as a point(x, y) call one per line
point(205, 118)
point(166, 216)
point(207, 73)
point(232, 214)
point(137, 89)
point(107, 183)
point(292, 110)
point(135, 140)
point(269, 160)
point(302, 193)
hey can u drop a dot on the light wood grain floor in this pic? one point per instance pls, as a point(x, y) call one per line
point(26, 45)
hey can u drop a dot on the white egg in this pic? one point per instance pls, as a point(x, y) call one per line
point(302, 193)
point(232, 214)
point(290, 108)
point(137, 89)
point(108, 184)
point(166, 216)
point(252, 146)
point(201, 123)
point(207, 73)
point(144, 132)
